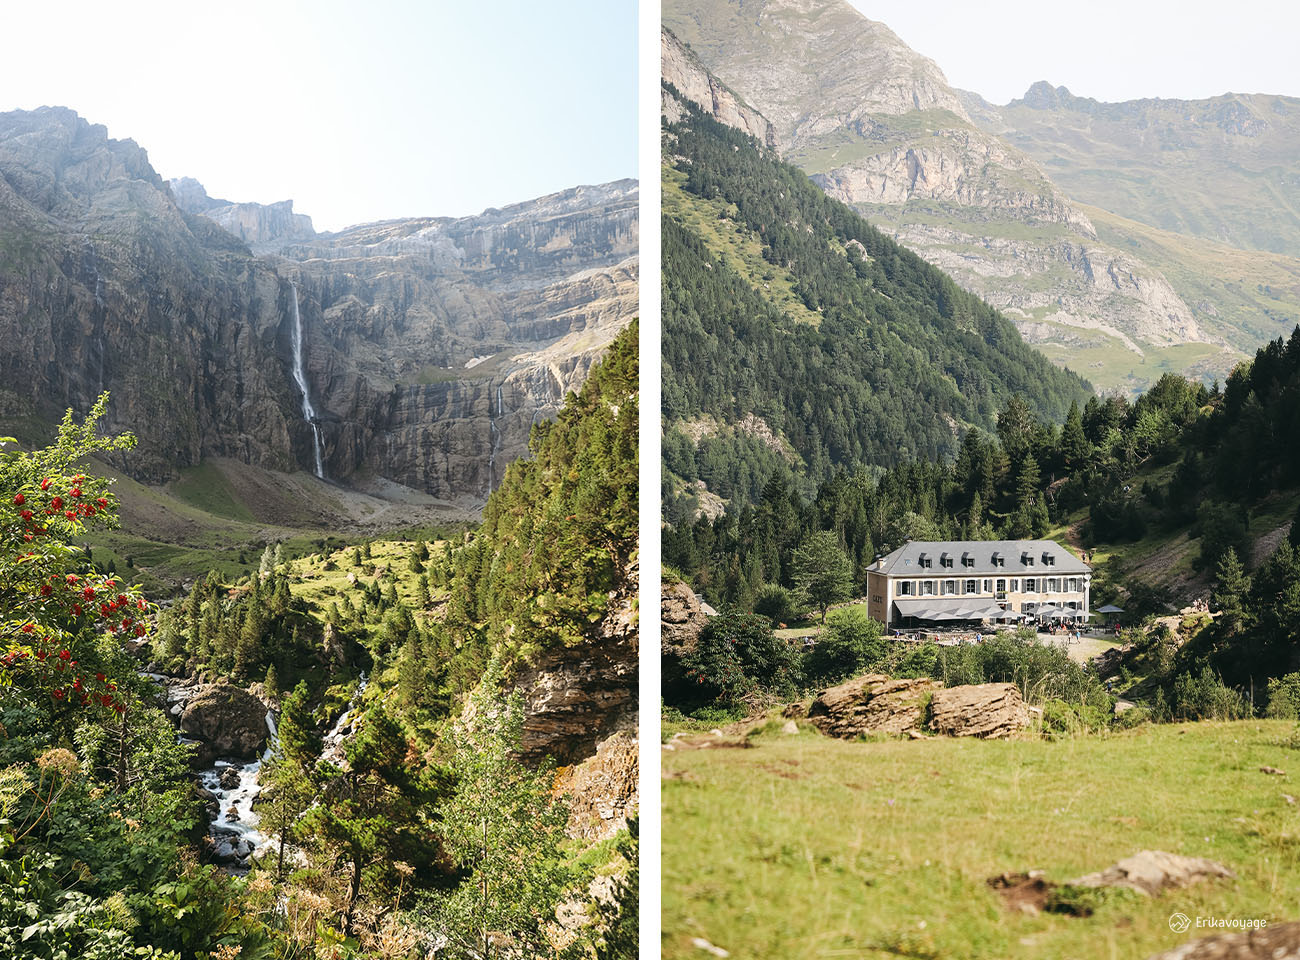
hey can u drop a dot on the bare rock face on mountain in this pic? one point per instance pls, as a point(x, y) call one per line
point(877, 126)
point(987, 710)
point(1280, 941)
point(577, 697)
point(228, 721)
point(872, 703)
point(430, 347)
point(683, 70)
point(260, 225)
point(602, 788)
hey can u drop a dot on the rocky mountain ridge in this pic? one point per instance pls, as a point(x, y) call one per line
point(430, 347)
point(260, 225)
point(878, 126)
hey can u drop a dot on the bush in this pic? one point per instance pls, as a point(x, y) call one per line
point(1041, 671)
point(1206, 697)
point(738, 659)
point(1061, 719)
point(1284, 697)
point(776, 603)
point(851, 644)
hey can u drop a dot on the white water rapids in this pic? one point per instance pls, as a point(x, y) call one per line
point(300, 377)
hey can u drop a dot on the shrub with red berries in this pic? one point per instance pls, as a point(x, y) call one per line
point(52, 597)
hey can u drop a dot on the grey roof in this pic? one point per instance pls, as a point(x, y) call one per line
point(906, 560)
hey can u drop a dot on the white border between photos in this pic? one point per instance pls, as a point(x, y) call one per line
point(650, 292)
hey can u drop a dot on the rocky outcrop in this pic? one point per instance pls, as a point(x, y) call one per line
point(228, 721)
point(680, 618)
point(872, 704)
point(602, 789)
point(1152, 872)
point(810, 66)
point(431, 346)
point(682, 69)
point(987, 710)
point(260, 225)
point(577, 697)
point(1280, 941)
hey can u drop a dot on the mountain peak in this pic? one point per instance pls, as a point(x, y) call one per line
point(1043, 96)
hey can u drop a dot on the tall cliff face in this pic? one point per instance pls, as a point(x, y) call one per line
point(430, 346)
point(877, 125)
point(681, 68)
point(260, 225)
point(433, 346)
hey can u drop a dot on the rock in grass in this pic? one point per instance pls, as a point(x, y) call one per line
point(1153, 871)
point(987, 710)
point(1274, 942)
point(871, 704)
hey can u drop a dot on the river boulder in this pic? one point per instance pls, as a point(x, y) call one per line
point(227, 720)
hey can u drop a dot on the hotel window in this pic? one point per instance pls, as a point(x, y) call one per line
point(1053, 585)
point(967, 560)
point(1031, 585)
point(925, 561)
point(945, 560)
point(972, 586)
point(1002, 586)
point(928, 588)
point(905, 588)
point(949, 587)
point(999, 560)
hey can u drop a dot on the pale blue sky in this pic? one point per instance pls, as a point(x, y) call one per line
point(356, 111)
point(1107, 49)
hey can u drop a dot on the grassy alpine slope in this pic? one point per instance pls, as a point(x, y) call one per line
point(805, 847)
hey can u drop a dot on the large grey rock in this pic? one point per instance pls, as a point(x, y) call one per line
point(872, 703)
point(680, 618)
point(226, 720)
point(987, 710)
point(1275, 942)
point(1154, 871)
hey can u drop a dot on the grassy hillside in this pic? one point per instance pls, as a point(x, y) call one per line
point(222, 514)
point(807, 847)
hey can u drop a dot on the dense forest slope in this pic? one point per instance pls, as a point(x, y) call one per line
point(795, 333)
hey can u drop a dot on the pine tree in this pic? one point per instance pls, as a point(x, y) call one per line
point(505, 829)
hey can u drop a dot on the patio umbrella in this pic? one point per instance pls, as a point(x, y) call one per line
point(1110, 608)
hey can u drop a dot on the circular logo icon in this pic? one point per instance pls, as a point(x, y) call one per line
point(1179, 922)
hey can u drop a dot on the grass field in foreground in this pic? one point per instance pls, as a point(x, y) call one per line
point(807, 847)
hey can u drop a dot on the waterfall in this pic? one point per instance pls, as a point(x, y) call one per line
point(495, 434)
point(300, 377)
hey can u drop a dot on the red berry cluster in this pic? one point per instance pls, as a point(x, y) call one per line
point(70, 502)
point(71, 685)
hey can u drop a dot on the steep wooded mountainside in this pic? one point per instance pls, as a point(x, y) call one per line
point(877, 126)
point(796, 334)
point(428, 347)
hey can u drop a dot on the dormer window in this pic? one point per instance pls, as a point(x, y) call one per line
point(945, 559)
point(925, 561)
point(998, 559)
point(1048, 559)
point(1027, 559)
point(967, 560)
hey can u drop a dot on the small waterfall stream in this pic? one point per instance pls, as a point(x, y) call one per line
point(495, 432)
point(300, 377)
point(235, 786)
